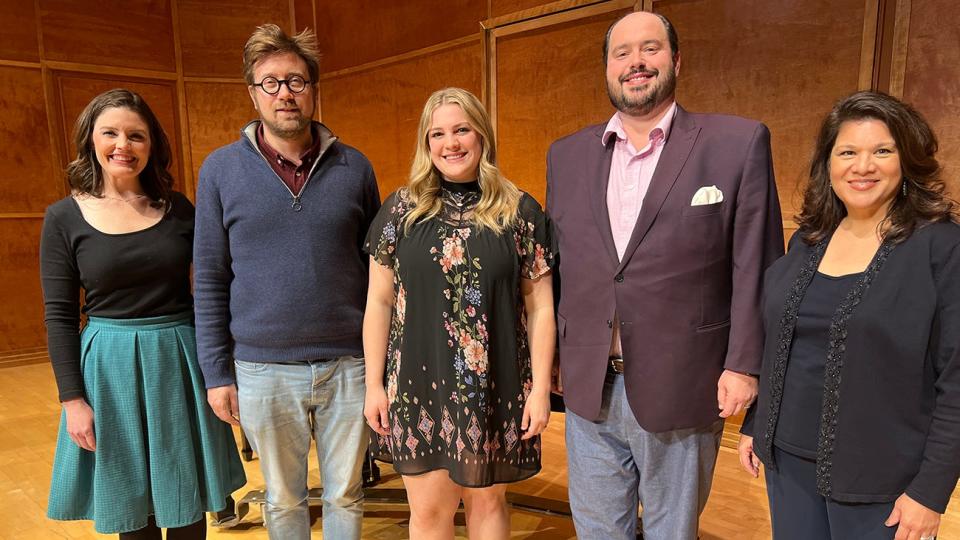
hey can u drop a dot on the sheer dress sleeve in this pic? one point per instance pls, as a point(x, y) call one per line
point(536, 242)
point(381, 242)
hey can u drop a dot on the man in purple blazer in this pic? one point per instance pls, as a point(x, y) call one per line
point(666, 221)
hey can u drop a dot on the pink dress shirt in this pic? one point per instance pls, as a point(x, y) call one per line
point(630, 173)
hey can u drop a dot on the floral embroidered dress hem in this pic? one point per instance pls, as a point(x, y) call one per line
point(458, 363)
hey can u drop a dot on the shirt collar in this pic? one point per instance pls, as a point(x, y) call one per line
point(615, 126)
point(272, 154)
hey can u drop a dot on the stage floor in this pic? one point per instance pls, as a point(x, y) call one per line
point(29, 413)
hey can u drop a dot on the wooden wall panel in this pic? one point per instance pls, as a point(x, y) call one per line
point(213, 32)
point(18, 28)
point(125, 33)
point(377, 111)
point(76, 91)
point(215, 114)
point(550, 83)
point(29, 179)
point(303, 12)
point(932, 78)
point(21, 319)
point(357, 32)
point(784, 63)
point(499, 8)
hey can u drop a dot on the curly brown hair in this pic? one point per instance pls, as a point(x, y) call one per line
point(84, 172)
point(916, 143)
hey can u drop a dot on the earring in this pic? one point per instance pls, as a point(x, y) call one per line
point(903, 186)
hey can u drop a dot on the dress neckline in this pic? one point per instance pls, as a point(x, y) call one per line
point(472, 186)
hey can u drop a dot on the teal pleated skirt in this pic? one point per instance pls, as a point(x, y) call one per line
point(160, 449)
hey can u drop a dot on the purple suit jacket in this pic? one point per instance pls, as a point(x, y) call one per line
point(688, 288)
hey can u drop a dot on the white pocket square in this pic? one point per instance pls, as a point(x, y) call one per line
point(707, 195)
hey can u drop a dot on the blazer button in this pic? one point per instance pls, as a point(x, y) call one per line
point(609, 323)
point(619, 278)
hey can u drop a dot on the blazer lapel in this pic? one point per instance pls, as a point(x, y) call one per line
point(683, 135)
point(598, 169)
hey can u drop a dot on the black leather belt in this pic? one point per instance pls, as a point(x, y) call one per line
point(615, 365)
point(304, 362)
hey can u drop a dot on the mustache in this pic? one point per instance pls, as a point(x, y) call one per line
point(638, 71)
point(286, 105)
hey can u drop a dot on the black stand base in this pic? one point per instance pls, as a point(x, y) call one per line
point(387, 496)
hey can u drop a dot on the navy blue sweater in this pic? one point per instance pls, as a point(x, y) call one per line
point(278, 277)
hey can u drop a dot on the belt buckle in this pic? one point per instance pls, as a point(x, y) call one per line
point(615, 365)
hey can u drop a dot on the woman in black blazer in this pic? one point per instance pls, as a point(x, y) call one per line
point(858, 417)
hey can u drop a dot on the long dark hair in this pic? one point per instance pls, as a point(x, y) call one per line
point(84, 172)
point(924, 201)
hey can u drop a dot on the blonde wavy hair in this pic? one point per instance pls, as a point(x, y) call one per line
point(499, 199)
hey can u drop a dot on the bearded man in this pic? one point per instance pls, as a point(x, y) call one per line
point(281, 283)
point(666, 221)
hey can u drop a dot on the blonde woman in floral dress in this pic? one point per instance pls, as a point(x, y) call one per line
point(459, 327)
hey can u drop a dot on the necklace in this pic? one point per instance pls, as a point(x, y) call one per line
point(87, 196)
point(124, 199)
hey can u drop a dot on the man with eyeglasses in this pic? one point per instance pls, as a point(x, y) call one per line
point(280, 285)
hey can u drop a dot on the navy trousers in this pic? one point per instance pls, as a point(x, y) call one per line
point(798, 512)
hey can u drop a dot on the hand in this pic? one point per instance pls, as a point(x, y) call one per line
point(80, 423)
point(223, 401)
point(748, 460)
point(556, 379)
point(376, 409)
point(916, 520)
point(536, 414)
point(735, 392)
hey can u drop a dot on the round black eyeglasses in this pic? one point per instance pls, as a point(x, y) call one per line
point(271, 85)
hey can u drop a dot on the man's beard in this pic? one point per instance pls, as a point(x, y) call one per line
point(287, 129)
point(639, 104)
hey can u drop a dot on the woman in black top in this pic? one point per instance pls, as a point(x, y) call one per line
point(139, 448)
point(858, 415)
point(459, 325)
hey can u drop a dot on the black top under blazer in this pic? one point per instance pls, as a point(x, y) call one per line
point(890, 419)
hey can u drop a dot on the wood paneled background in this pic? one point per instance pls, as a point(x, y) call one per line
point(537, 65)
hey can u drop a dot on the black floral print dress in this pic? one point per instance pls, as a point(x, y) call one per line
point(458, 364)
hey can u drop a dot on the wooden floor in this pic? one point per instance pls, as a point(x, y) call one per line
point(29, 414)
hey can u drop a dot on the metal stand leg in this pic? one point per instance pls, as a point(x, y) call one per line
point(371, 472)
point(227, 517)
point(245, 450)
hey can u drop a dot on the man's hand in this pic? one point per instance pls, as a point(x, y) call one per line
point(735, 392)
point(223, 401)
point(916, 520)
point(556, 380)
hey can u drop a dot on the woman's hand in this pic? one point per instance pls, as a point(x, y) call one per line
point(375, 409)
point(536, 413)
point(748, 460)
point(916, 521)
point(80, 423)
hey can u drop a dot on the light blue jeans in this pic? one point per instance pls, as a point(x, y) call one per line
point(280, 404)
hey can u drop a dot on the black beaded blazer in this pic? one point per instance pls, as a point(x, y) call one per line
point(890, 416)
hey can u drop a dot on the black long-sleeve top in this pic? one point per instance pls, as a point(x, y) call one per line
point(139, 274)
point(890, 414)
